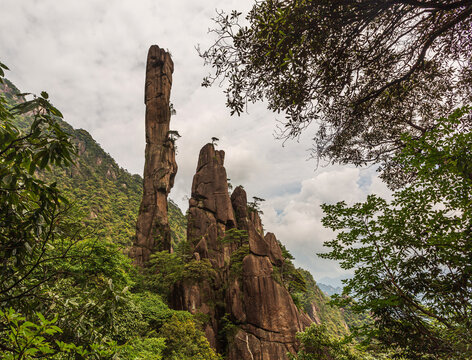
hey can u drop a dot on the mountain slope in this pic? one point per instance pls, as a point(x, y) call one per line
point(105, 195)
point(330, 290)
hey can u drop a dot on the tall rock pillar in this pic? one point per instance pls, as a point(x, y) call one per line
point(152, 228)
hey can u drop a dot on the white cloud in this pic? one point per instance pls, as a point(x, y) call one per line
point(296, 218)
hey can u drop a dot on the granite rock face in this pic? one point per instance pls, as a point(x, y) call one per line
point(152, 229)
point(223, 233)
point(210, 210)
point(244, 292)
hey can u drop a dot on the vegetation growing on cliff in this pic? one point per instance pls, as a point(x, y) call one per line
point(104, 196)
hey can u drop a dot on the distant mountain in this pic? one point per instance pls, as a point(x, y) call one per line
point(105, 196)
point(330, 290)
point(316, 304)
point(336, 281)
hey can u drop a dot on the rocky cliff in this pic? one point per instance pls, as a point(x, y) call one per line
point(236, 278)
point(245, 293)
point(152, 229)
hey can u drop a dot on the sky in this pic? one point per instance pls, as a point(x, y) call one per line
point(90, 57)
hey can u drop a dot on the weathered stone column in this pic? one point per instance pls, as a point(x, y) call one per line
point(152, 228)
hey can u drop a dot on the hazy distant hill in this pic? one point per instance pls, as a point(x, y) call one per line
point(330, 290)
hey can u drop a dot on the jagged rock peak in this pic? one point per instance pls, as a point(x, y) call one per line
point(152, 228)
point(226, 232)
point(239, 203)
point(210, 185)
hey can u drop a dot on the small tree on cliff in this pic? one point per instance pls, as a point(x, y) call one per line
point(255, 204)
point(235, 236)
point(172, 110)
point(173, 135)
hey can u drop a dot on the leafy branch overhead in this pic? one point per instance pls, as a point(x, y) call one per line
point(411, 256)
point(366, 71)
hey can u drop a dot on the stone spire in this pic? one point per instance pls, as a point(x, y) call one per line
point(152, 229)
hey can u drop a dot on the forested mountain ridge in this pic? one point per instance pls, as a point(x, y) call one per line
point(106, 196)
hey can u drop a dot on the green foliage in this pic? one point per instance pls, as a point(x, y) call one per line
point(146, 325)
point(173, 135)
point(44, 257)
point(236, 260)
point(234, 236)
point(227, 330)
point(285, 253)
point(166, 269)
point(254, 206)
point(95, 289)
point(24, 340)
point(355, 319)
point(54, 267)
point(198, 271)
point(172, 110)
point(290, 277)
point(145, 349)
point(142, 321)
point(316, 304)
point(287, 275)
point(105, 196)
point(184, 341)
point(318, 344)
point(412, 255)
point(30, 209)
point(153, 309)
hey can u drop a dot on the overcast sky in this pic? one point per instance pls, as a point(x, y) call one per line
point(90, 57)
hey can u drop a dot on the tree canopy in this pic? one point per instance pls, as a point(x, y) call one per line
point(412, 256)
point(366, 71)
